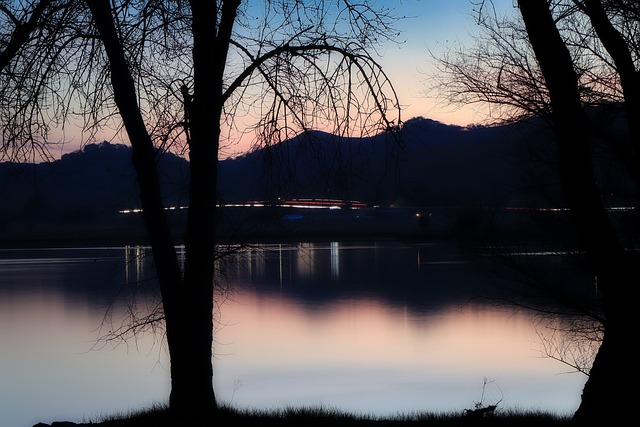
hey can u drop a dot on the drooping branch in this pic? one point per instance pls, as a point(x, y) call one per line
point(374, 77)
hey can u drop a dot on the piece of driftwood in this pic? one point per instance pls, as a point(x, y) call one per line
point(480, 412)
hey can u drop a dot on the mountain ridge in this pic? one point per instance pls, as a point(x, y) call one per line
point(424, 163)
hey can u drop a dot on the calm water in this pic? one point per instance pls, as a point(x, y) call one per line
point(374, 328)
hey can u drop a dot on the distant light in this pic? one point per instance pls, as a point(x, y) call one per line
point(331, 204)
point(128, 211)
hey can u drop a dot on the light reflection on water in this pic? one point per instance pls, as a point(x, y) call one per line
point(372, 328)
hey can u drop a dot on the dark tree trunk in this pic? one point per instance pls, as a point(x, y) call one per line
point(188, 300)
point(192, 386)
point(192, 389)
point(603, 398)
point(187, 308)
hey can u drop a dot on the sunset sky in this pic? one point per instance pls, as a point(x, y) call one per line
point(432, 25)
point(426, 26)
point(429, 26)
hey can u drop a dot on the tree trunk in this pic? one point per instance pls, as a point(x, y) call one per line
point(187, 310)
point(603, 398)
point(192, 387)
point(187, 301)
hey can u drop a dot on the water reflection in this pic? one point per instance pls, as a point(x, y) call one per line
point(335, 260)
point(374, 328)
point(377, 329)
point(369, 357)
point(419, 277)
point(52, 302)
point(134, 260)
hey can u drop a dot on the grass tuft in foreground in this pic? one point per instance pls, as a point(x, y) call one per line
point(159, 416)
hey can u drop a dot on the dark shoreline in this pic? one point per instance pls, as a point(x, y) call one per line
point(269, 224)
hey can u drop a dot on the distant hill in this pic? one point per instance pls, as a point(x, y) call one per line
point(425, 164)
point(80, 194)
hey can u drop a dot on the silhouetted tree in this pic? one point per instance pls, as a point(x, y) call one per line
point(568, 56)
point(190, 76)
point(613, 266)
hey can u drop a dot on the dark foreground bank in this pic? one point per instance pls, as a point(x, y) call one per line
point(324, 417)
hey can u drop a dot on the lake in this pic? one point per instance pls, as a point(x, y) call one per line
point(368, 327)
